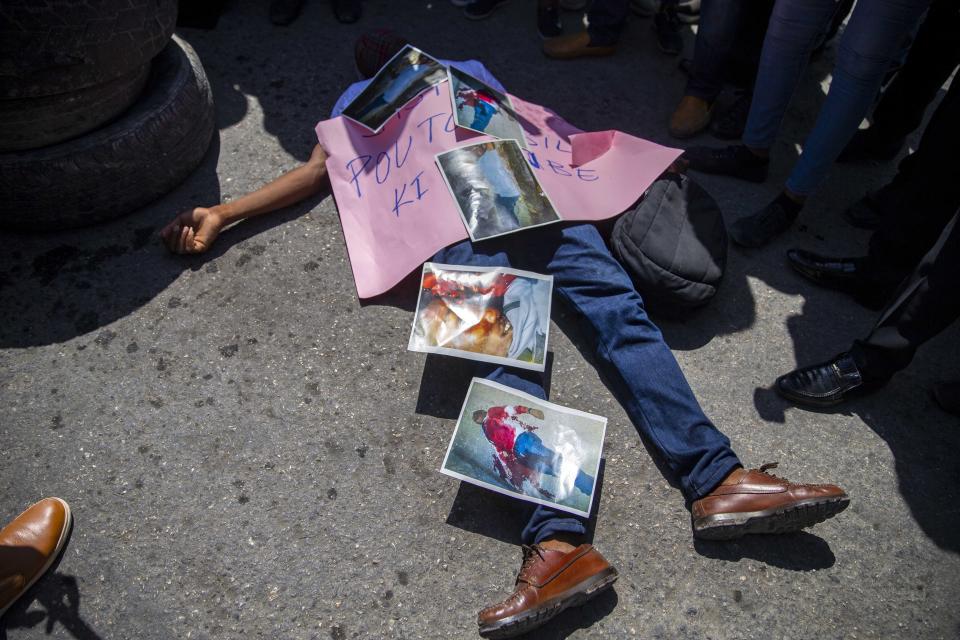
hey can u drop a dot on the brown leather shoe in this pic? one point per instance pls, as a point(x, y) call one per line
point(690, 117)
point(549, 582)
point(29, 545)
point(574, 45)
point(754, 501)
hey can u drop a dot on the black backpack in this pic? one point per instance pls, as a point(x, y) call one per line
point(673, 244)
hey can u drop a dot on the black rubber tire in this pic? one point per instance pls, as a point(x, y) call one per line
point(140, 156)
point(31, 123)
point(60, 46)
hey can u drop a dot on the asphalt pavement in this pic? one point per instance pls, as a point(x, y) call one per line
point(250, 452)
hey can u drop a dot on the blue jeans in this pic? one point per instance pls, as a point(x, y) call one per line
point(529, 448)
point(728, 39)
point(870, 42)
point(628, 347)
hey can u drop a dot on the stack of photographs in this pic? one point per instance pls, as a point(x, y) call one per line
point(495, 189)
point(518, 445)
point(404, 77)
point(490, 314)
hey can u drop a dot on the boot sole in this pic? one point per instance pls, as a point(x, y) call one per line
point(800, 515)
point(573, 597)
point(57, 551)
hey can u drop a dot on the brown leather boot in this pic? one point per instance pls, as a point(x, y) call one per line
point(691, 117)
point(574, 45)
point(29, 545)
point(754, 501)
point(550, 580)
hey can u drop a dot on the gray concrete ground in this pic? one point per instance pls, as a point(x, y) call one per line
point(250, 452)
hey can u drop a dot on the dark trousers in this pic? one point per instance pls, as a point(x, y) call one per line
point(629, 350)
point(607, 19)
point(924, 194)
point(933, 56)
point(727, 49)
point(927, 303)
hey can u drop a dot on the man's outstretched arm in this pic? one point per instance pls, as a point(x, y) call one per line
point(194, 230)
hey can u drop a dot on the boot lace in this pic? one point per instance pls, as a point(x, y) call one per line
point(531, 553)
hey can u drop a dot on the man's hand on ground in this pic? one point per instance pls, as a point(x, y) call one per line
point(192, 231)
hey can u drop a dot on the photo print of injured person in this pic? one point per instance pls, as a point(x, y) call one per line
point(479, 107)
point(490, 314)
point(404, 77)
point(495, 189)
point(518, 445)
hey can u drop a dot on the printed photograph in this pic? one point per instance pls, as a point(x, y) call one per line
point(488, 314)
point(479, 107)
point(402, 79)
point(513, 443)
point(495, 189)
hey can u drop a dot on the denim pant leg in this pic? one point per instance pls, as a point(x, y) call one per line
point(545, 522)
point(794, 29)
point(717, 35)
point(867, 48)
point(637, 363)
point(606, 19)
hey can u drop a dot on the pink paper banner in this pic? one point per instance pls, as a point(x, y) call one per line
point(396, 210)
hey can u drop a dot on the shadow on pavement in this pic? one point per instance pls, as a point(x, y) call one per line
point(801, 551)
point(59, 597)
point(57, 594)
point(56, 286)
point(923, 441)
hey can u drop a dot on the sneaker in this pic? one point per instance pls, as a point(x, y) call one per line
point(548, 22)
point(736, 161)
point(730, 124)
point(754, 501)
point(765, 225)
point(480, 9)
point(550, 580)
point(667, 27)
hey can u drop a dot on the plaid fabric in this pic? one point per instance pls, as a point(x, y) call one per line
point(374, 49)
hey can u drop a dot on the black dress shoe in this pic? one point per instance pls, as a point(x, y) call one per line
point(735, 160)
point(844, 274)
point(867, 285)
point(825, 384)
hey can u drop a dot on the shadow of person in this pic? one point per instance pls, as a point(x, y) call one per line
point(801, 551)
point(927, 472)
point(56, 593)
point(59, 597)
